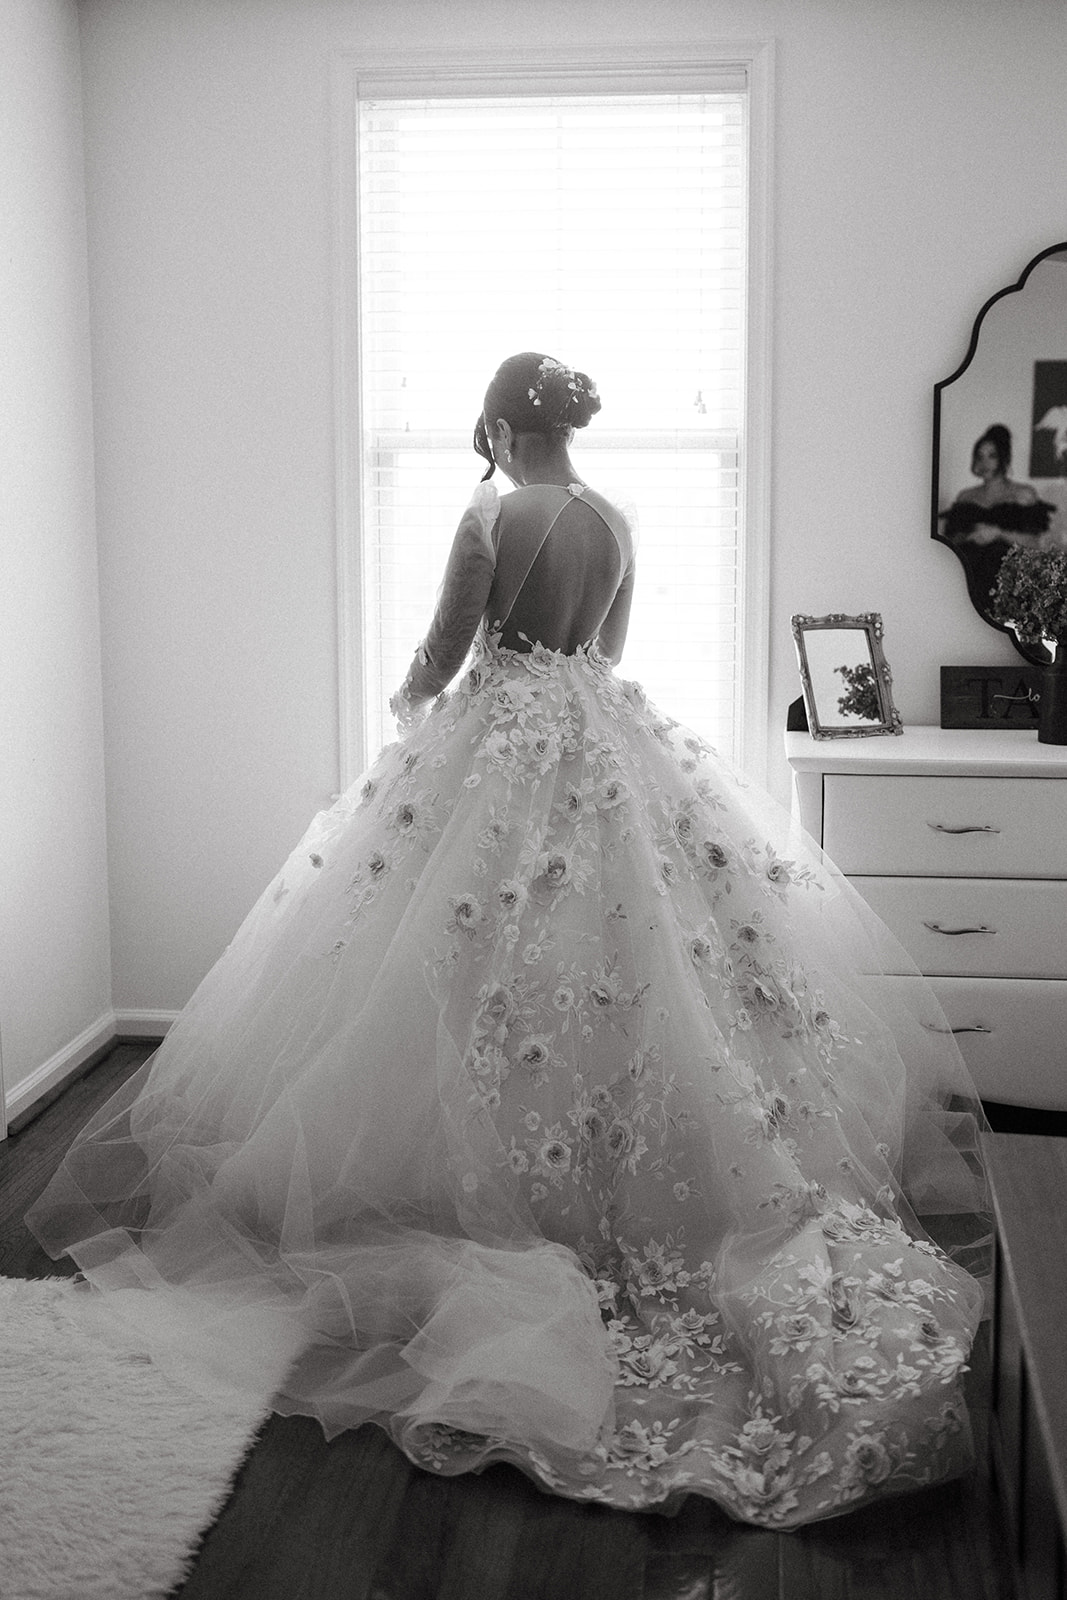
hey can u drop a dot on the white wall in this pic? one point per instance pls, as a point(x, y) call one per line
point(55, 982)
point(920, 178)
point(921, 160)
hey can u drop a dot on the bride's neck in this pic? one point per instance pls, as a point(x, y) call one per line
point(545, 461)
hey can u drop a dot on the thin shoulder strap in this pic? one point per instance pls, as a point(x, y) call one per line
point(589, 498)
point(539, 546)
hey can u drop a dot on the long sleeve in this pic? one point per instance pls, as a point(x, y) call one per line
point(461, 602)
point(612, 635)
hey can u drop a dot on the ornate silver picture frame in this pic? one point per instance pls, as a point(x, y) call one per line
point(848, 688)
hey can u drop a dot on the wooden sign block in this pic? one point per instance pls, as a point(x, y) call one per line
point(990, 697)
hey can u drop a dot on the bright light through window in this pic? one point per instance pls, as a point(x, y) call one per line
point(609, 231)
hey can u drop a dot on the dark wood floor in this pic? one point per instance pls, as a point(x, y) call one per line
point(354, 1520)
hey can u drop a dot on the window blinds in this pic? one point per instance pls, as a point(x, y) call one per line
point(608, 230)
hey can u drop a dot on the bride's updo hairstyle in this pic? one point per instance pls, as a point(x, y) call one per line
point(535, 394)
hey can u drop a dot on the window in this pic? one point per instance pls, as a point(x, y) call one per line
point(606, 222)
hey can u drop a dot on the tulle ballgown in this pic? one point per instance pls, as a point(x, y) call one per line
point(555, 1105)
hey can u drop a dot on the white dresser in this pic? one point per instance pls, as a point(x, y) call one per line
point(959, 842)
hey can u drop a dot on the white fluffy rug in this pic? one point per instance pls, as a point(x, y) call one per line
point(109, 1470)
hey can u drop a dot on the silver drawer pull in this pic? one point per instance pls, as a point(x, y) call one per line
point(935, 927)
point(976, 1027)
point(943, 827)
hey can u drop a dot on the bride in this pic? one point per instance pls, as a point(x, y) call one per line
point(551, 1105)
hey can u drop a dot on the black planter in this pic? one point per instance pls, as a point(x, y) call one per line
point(1052, 708)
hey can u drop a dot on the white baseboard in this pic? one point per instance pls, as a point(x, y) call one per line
point(54, 1072)
point(144, 1024)
point(21, 1096)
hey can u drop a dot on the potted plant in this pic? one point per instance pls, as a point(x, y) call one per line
point(1030, 597)
point(860, 698)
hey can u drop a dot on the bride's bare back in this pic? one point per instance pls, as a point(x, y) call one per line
point(564, 570)
point(546, 565)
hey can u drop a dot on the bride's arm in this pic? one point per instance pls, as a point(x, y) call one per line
point(612, 635)
point(462, 599)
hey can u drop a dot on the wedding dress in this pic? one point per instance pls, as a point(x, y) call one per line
point(559, 1103)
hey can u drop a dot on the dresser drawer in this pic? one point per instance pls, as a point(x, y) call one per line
point(945, 826)
point(1013, 1038)
point(940, 923)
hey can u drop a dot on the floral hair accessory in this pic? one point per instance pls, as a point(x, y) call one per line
point(554, 373)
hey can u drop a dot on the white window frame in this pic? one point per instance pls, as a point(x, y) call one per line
point(676, 70)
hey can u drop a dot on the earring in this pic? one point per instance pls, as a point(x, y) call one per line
point(507, 453)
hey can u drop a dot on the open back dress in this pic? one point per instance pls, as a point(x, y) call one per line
point(558, 1103)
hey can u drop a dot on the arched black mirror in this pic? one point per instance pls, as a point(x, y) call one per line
point(1000, 434)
